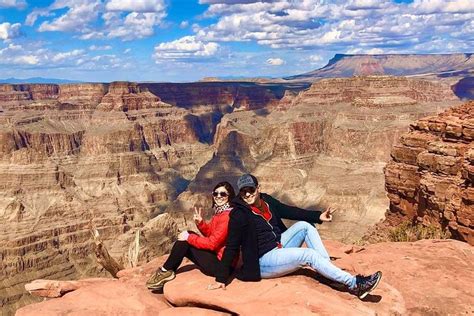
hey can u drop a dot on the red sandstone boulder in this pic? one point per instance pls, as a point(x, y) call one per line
point(429, 277)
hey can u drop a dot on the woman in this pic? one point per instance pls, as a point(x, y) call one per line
point(205, 251)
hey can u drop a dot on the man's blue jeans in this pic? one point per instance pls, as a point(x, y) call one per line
point(282, 261)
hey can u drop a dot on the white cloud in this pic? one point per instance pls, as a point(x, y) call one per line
point(97, 47)
point(18, 4)
point(26, 60)
point(315, 59)
point(185, 48)
point(136, 5)
point(136, 25)
point(34, 56)
point(16, 55)
point(371, 51)
point(33, 16)
point(127, 50)
point(184, 24)
point(9, 31)
point(338, 24)
point(275, 61)
point(438, 6)
point(92, 35)
point(127, 20)
point(59, 57)
point(77, 19)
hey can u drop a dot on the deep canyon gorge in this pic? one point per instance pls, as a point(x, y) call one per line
point(128, 157)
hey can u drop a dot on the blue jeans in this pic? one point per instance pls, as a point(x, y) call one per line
point(281, 261)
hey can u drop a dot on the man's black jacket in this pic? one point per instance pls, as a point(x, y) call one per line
point(243, 236)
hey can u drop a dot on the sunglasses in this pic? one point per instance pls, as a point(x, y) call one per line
point(247, 192)
point(220, 193)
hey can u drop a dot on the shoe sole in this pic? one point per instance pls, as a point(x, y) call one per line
point(373, 288)
point(160, 284)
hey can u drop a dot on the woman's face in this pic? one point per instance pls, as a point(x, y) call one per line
point(221, 196)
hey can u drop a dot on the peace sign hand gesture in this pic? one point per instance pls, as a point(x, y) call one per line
point(326, 216)
point(197, 217)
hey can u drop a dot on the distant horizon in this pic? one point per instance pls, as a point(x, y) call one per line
point(12, 80)
point(186, 40)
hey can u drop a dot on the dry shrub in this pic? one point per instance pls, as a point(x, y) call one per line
point(408, 231)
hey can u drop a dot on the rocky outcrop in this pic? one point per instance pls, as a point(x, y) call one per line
point(112, 156)
point(115, 156)
point(326, 146)
point(409, 272)
point(127, 96)
point(376, 91)
point(429, 178)
point(245, 95)
point(87, 95)
point(75, 165)
point(23, 92)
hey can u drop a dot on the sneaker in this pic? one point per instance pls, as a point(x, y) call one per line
point(364, 285)
point(159, 278)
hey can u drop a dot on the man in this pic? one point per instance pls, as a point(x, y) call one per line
point(271, 250)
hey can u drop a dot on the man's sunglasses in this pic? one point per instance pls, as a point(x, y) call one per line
point(247, 191)
point(221, 194)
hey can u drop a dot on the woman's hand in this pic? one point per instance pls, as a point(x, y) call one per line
point(326, 216)
point(197, 217)
point(183, 236)
point(216, 286)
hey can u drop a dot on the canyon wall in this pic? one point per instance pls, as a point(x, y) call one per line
point(325, 146)
point(126, 158)
point(112, 156)
point(429, 178)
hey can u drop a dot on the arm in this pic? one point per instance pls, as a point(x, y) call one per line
point(237, 225)
point(204, 228)
point(293, 212)
point(215, 239)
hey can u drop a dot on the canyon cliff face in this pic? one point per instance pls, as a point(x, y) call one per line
point(112, 156)
point(326, 146)
point(429, 179)
point(127, 158)
point(456, 70)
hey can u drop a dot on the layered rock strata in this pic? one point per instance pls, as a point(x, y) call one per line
point(116, 155)
point(430, 176)
point(109, 156)
point(326, 146)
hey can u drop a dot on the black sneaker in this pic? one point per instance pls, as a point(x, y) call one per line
point(159, 278)
point(364, 285)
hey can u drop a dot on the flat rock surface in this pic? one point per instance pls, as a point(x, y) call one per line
point(430, 277)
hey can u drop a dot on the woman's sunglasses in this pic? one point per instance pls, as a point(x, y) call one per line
point(221, 194)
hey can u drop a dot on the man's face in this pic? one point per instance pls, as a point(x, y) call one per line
point(250, 195)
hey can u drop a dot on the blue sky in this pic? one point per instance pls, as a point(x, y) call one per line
point(186, 40)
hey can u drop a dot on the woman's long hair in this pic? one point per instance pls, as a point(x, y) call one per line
point(229, 189)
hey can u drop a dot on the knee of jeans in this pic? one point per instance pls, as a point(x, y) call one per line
point(309, 255)
point(305, 225)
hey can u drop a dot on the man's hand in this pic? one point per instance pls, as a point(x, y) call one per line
point(326, 216)
point(216, 286)
point(197, 217)
point(183, 236)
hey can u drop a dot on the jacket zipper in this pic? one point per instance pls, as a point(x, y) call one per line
point(268, 222)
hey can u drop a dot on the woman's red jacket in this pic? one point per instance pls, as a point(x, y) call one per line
point(214, 234)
